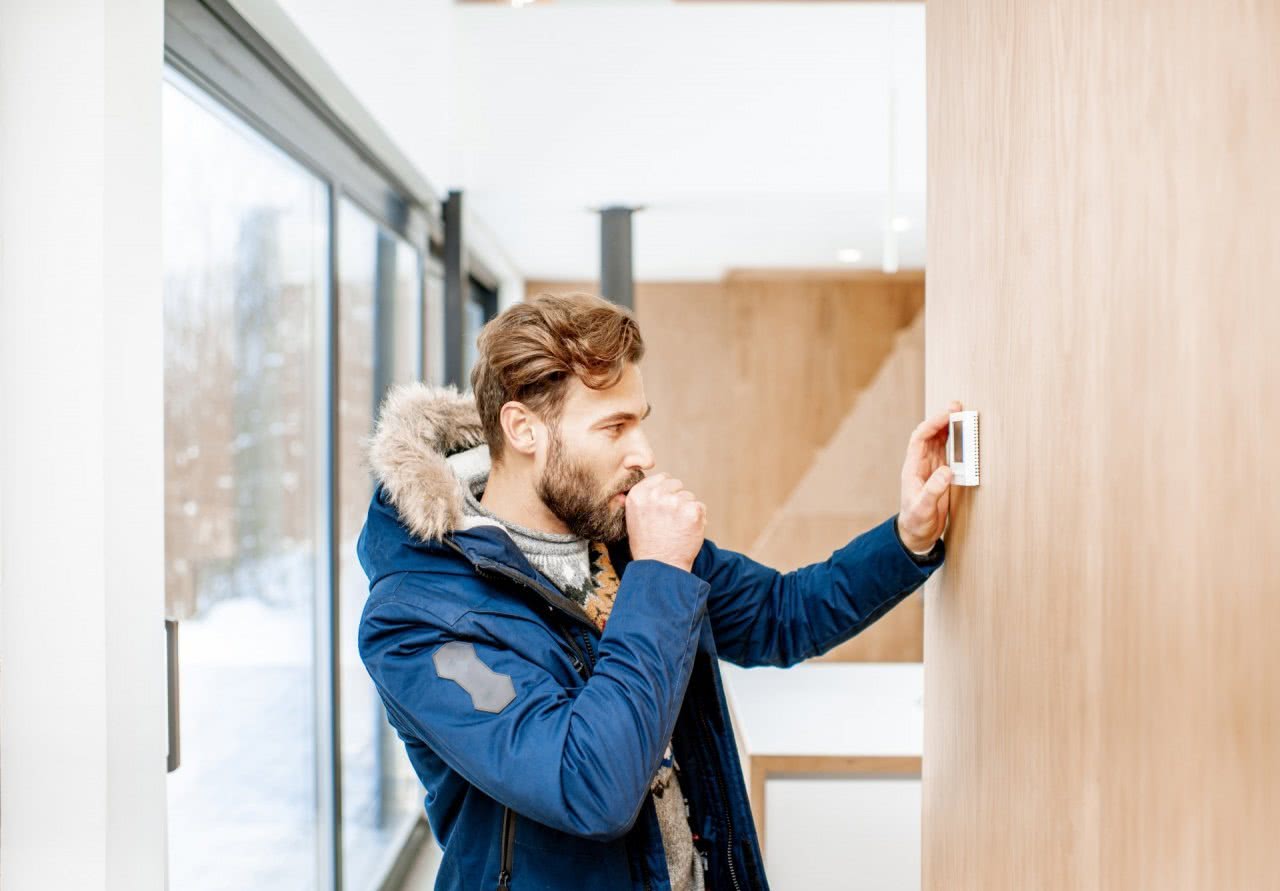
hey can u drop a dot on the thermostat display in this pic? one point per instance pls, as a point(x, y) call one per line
point(962, 448)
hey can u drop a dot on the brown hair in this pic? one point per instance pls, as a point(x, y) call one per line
point(527, 353)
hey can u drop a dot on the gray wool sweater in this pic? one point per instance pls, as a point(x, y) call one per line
point(567, 561)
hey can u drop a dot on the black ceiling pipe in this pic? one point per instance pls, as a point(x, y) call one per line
point(617, 282)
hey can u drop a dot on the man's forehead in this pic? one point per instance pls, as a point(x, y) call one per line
point(625, 397)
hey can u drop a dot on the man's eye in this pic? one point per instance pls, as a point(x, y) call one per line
point(614, 427)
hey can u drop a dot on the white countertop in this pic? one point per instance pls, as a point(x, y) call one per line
point(828, 708)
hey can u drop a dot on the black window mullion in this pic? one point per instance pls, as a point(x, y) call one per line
point(332, 771)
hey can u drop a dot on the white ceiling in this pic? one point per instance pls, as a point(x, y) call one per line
point(754, 134)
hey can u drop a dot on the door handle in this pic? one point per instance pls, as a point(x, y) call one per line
point(174, 759)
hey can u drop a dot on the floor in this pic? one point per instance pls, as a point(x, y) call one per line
point(422, 875)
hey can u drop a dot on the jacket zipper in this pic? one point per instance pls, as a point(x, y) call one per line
point(724, 801)
point(508, 839)
point(580, 664)
point(489, 568)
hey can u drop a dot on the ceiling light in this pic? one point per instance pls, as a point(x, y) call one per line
point(848, 255)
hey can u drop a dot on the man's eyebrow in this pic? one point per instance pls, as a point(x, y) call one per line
point(624, 416)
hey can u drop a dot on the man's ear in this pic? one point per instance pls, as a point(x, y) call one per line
point(521, 428)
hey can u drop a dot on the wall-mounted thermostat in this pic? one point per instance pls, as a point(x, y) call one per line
point(962, 448)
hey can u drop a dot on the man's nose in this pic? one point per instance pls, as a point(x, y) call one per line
point(641, 457)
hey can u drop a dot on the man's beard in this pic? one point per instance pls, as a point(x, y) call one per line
point(572, 493)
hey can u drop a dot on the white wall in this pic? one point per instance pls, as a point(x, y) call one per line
point(387, 67)
point(396, 58)
point(483, 243)
point(82, 708)
point(755, 134)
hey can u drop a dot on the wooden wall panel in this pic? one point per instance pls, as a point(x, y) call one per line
point(1102, 675)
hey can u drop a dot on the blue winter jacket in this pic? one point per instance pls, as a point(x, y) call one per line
point(536, 736)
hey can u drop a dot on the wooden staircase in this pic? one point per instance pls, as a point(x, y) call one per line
point(852, 485)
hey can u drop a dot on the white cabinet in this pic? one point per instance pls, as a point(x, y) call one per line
point(843, 833)
point(832, 755)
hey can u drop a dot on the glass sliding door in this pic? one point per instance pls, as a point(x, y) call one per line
point(296, 279)
point(380, 300)
point(246, 256)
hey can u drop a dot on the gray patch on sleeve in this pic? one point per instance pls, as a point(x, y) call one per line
point(490, 691)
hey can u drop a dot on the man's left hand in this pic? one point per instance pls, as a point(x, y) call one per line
point(926, 483)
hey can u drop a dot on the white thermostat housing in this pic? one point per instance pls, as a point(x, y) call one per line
point(962, 448)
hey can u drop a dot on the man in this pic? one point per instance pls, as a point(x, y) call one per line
point(545, 616)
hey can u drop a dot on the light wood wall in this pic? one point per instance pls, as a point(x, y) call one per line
point(1102, 670)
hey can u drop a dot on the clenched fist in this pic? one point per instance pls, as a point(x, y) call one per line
point(665, 522)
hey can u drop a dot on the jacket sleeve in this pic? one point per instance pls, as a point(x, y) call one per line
point(577, 760)
point(760, 616)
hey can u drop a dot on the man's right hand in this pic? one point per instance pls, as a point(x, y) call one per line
point(665, 522)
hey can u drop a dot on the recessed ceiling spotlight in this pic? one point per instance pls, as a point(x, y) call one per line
point(901, 224)
point(848, 255)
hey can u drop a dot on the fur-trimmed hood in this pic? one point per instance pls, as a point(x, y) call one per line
point(427, 452)
point(428, 444)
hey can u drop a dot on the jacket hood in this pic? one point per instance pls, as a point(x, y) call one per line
point(428, 444)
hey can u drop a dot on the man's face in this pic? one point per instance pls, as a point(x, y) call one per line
point(596, 452)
